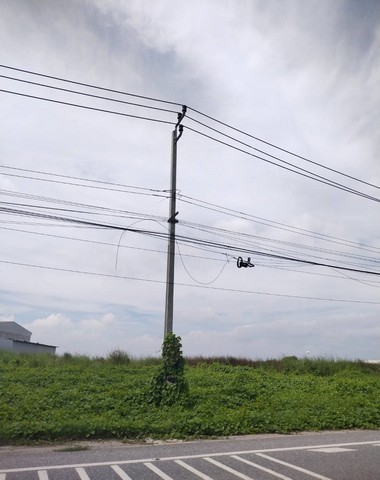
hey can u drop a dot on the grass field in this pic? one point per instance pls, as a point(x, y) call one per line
point(47, 398)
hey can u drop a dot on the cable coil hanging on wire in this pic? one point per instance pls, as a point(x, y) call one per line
point(244, 263)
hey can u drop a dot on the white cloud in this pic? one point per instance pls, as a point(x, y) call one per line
point(106, 321)
point(54, 321)
point(93, 336)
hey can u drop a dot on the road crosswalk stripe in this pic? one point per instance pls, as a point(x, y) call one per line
point(193, 470)
point(228, 469)
point(260, 467)
point(43, 475)
point(294, 467)
point(120, 472)
point(82, 474)
point(159, 472)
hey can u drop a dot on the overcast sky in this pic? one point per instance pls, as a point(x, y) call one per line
point(299, 75)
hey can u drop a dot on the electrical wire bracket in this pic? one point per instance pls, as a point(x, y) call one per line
point(172, 219)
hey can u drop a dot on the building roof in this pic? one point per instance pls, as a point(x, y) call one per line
point(35, 343)
point(14, 328)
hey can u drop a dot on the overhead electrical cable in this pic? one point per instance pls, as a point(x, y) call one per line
point(91, 209)
point(357, 280)
point(91, 180)
point(303, 272)
point(38, 214)
point(270, 223)
point(213, 280)
point(49, 180)
point(185, 199)
point(310, 175)
point(149, 280)
point(110, 244)
point(274, 157)
point(89, 85)
point(246, 238)
point(238, 238)
point(280, 148)
point(88, 94)
point(126, 214)
point(200, 257)
point(185, 240)
point(86, 107)
point(224, 124)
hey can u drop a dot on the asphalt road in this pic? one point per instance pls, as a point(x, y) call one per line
point(346, 455)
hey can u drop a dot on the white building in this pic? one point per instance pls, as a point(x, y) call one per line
point(15, 338)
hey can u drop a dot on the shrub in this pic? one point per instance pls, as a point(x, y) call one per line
point(118, 357)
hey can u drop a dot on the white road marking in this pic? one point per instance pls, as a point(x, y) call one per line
point(193, 470)
point(228, 469)
point(82, 474)
point(260, 467)
point(2, 476)
point(157, 471)
point(43, 475)
point(120, 472)
point(181, 457)
point(332, 450)
point(294, 467)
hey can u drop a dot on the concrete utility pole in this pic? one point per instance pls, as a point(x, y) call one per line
point(172, 221)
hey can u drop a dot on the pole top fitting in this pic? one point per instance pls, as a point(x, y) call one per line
point(181, 115)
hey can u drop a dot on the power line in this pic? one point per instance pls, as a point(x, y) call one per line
point(333, 183)
point(149, 280)
point(129, 215)
point(188, 117)
point(312, 176)
point(309, 174)
point(39, 198)
point(28, 82)
point(109, 244)
point(185, 240)
point(340, 277)
point(199, 281)
point(200, 257)
point(270, 223)
point(271, 255)
point(306, 173)
point(49, 180)
point(247, 239)
point(171, 111)
point(197, 226)
point(90, 85)
point(87, 107)
point(221, 232)
point(181, 197)
point(277, 147)
point(357, 280)
point(91, 180)
point(162, 193)
point(80, 221)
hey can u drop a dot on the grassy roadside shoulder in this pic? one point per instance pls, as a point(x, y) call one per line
point(44, 399)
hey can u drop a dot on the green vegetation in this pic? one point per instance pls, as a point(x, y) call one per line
point(48, 398)
point(169, 385)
